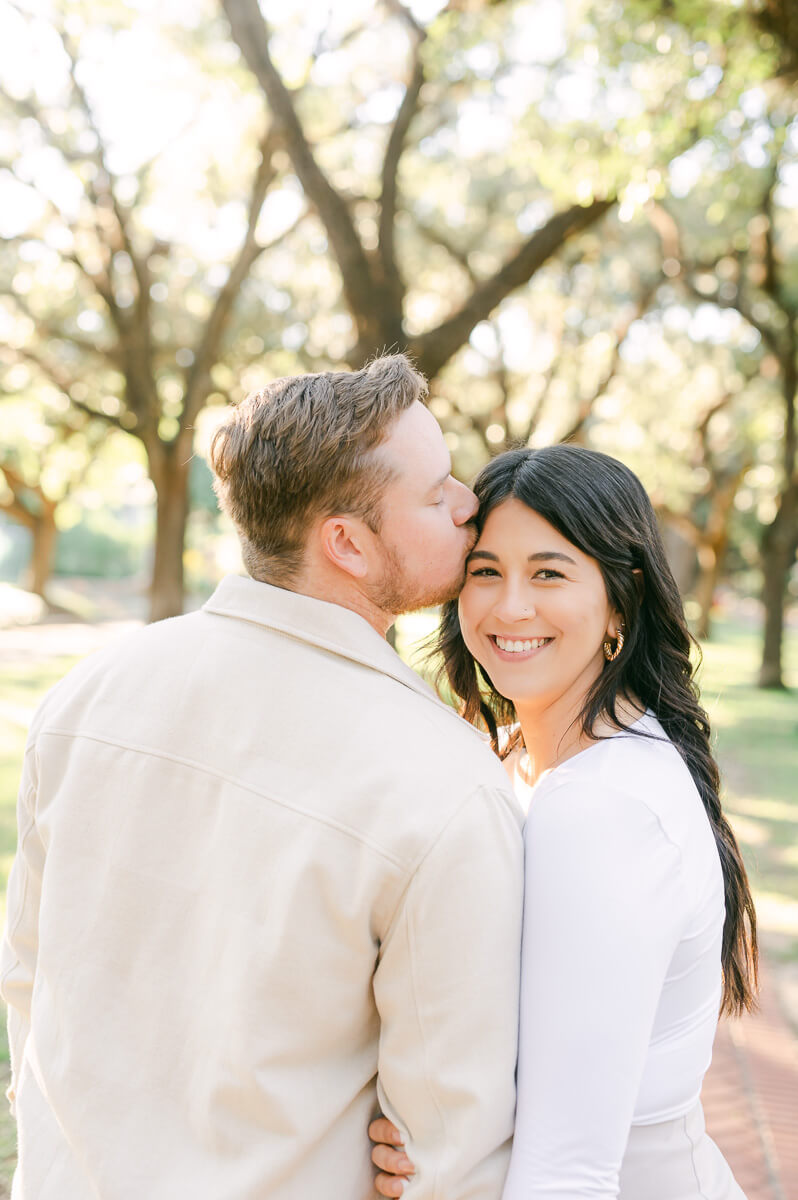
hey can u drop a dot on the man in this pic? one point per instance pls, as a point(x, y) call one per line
point(267, 883)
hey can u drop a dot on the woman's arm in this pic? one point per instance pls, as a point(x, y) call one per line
point(604, 907)
point(603, 912)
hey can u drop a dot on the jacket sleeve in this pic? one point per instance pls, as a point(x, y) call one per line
point(446, 989)
point(20, 942)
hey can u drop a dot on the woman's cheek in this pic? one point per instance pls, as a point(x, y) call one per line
point(465, 615)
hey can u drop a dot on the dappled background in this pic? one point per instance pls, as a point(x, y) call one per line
point(579, 216)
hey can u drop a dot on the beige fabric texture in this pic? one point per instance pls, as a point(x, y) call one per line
point(267, 884)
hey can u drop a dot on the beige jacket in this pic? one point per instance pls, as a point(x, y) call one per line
point(267, 883)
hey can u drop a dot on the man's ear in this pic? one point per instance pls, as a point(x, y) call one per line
point(343, 541)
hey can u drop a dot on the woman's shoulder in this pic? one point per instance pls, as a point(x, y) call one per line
point(644, 757)
point(635, 778)
point(615, 760)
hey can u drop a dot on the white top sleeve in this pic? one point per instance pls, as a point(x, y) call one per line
point(603, 913)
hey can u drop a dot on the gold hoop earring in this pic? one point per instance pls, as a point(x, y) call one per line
point(611, 654)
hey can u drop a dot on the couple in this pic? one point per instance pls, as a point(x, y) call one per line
point(268, 885)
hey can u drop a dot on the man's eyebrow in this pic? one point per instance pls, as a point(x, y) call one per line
point(541, 556)
point(440, 482)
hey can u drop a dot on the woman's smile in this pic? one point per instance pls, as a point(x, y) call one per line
point(515, 649)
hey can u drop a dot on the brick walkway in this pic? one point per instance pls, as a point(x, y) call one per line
point(750, 1099)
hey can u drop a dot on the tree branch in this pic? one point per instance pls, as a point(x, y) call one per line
point(104, 184)
point(101, 416)
point(251, 34)
point(207, 351)
point(134, 327)
point(621, 332)
point(668, 230)
point(15, 505)
point(57, 332)
point(393, 153)
point(64, 383)
point(537, 409)
point(433, 349)
point(437, 238)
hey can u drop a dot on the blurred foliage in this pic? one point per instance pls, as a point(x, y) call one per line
point(123, 225)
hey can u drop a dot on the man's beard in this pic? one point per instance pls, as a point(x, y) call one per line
point(396, 593)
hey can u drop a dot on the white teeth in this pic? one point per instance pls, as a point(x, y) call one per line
point(519, 647)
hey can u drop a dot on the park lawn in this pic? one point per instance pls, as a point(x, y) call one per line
point(757, 744)
point(21, 689)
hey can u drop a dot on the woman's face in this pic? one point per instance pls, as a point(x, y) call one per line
point(534, 611)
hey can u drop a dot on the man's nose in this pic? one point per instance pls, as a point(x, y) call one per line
point(465, 505)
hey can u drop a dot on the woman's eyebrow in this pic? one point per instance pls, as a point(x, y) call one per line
point(544, 554)
point(541, 556)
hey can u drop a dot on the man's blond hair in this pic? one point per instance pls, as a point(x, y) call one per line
point(303, 448)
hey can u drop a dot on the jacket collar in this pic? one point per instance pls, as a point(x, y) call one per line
point(332, 627)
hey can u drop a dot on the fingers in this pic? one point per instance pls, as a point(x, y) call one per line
point(382, 1130)
point(389, 1185)
point(392, 1162)
point(389, 1156)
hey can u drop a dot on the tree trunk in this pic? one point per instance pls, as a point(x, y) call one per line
point(169, 468)
point(709, 562)
point(778, 555)
point(713, 548)
point(40, 567)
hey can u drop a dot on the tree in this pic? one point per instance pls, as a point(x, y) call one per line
point(137, 325)
point(28, 503)
point(372, 279)
point(581, 309)
point(45, 457)
point(755, 275)
point(755, 271)
point(706, 524)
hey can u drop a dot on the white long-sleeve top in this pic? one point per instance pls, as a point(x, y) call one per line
point(620, 975)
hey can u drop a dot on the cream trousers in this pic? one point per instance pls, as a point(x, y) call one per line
point(676, 1160)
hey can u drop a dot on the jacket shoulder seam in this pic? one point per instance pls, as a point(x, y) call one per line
point(223, 776)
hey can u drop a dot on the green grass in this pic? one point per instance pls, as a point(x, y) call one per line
point(757, 745)
point(22, 687)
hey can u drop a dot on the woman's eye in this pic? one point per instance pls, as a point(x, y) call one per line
point(548, 573)
point(483, 572)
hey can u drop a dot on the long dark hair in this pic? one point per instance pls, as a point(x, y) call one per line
point(601, 507)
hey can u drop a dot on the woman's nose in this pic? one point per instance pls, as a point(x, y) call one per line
point(514, 604)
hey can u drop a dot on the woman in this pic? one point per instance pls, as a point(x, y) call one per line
point(638, 920)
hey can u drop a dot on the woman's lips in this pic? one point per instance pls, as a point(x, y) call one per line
point(517, 649)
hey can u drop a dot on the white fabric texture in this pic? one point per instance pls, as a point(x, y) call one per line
point(676, 1160)
point(262, 870)
point(621, 976)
